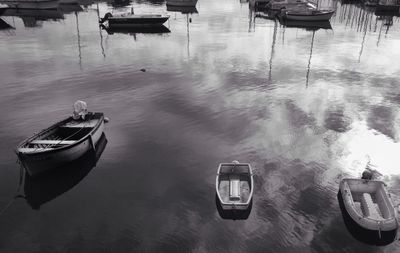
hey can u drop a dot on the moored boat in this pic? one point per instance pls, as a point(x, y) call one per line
point(389, 5)
point(369, 205)
point(62, 142)
point(234, 185)
point(307, 14)
point(133, 20)
point(282, 4)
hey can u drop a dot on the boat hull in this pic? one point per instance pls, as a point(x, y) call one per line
point(309, 17)
point(39, 162)
point(362, 234)
point(136, 22)
point(369, 223)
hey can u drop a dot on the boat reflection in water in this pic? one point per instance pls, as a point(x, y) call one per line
point(308, 25)
point(233, 214)
point(52, 184)
point(361, 234)
point(133, 30)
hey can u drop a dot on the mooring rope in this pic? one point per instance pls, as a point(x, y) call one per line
point(17, 194)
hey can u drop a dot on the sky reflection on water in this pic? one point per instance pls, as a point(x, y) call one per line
point(304, 107)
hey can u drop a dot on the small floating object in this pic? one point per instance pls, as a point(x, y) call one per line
point(106, 119)
point(143, 70)
point(234, 185)
point(62, 142)
point(370, 207)
point(133, 20)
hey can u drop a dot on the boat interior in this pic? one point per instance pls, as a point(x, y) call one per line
point(65, 133)
point(371, 200)
point(234, 183)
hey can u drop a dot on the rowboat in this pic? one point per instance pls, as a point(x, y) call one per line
point(62, 142)
point(234, 185)
point(307, 14)
point(49, 186)
point(133, 20)
point(370, 207)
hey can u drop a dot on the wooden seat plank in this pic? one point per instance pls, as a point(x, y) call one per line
point(52, 142)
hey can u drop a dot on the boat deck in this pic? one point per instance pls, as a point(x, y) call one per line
point(238, 193)
point(367, 205)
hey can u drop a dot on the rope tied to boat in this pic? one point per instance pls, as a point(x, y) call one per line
point(17, 194)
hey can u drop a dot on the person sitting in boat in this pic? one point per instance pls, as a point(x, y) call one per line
point(80, 110)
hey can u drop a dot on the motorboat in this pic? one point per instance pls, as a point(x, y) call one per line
point(234, 185)
point(305, 14)
point(370, 207)
point(62, 142)
point(134, 20)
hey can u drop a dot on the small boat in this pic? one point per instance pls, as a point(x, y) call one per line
point(307, 14)
point(369, 205)
point(62, 142)
point(182, 3)
point(234, 185)
point(133, 20)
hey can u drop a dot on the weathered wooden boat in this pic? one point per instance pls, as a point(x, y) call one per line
point(182, 9)
point(63, 142)
point(133, 20)
point(234, 185)
point(369, 205)
point(187, 3)
point(307, 14)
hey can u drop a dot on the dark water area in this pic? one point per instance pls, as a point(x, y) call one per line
point(305, 106)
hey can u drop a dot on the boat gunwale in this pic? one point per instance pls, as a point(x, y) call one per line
point(61, 148)
point(250, 174)
point(356, 216)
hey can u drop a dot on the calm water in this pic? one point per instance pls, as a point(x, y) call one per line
point(305, 107)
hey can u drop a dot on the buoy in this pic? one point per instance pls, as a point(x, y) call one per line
point(143, 70)
point(106, 119)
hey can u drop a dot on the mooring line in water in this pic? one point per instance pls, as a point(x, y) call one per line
point(17, 195)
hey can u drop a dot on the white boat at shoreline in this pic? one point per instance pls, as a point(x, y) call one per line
point(369, 205)
point(234, 185)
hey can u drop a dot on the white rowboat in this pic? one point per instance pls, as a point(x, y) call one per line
point(368, 204)
point(234, 185)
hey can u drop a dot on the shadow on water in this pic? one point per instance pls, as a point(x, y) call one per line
point(361, 234)
point(4, 25)
point(307, 25)
point(50, 185)
point(233, 214)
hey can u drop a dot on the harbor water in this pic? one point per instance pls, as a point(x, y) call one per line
point(305, 105)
